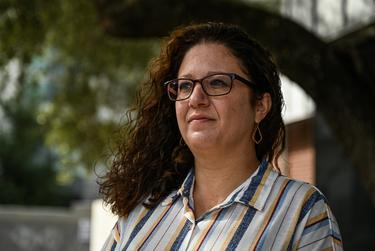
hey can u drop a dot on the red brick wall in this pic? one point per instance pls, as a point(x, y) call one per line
point(300, 151)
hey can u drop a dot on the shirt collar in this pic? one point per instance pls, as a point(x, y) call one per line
point(252, 192)
point(184, 190)
point(258, 187)
point(186, 186)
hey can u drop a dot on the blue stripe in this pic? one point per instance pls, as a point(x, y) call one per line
point(233, 197)
point(255, 181)
point(309, 204)
point(241, 229)
point(290, 243)
point(306, 207)
point(336, 236)
point(114, 245)
point(315, 197)
point(325, 237)
point(188, 183)
point(292, 238)
point(316, 226)
point(138, 227)
point(180, 238)
point(156, 228)
point(278, 206)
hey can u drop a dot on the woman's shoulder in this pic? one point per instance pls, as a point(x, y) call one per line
point(301, 188)
point(306, 205)
point(299, 193)
point(315, 225)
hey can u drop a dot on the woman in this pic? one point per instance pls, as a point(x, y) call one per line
point(198, 169)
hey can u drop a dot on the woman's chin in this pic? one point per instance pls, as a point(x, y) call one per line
point(199, 142)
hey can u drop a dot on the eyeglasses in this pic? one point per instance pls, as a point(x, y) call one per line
point(217, 84)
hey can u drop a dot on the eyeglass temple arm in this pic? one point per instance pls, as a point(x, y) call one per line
point(248, 82)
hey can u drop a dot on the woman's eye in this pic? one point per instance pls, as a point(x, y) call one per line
point(184, 86)
point(218, 83)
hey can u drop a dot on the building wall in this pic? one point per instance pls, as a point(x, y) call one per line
point(301, 151)
point(40, 229)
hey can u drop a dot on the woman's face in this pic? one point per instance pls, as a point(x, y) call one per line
point(208, 122)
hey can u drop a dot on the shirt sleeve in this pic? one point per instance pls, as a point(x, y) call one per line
point(112, 240)
point(317, 228)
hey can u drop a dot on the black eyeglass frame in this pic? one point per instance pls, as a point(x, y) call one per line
point(232, 76)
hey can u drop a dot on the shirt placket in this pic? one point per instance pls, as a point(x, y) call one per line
point(189, 215)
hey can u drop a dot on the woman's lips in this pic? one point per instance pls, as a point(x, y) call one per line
point(199, 118)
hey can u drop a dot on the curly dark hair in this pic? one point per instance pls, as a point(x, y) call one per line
point(150, 162)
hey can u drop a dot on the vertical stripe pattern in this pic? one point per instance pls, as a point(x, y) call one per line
point(267, 212)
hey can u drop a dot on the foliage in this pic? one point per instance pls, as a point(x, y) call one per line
point(27, 167)
point(81, 82)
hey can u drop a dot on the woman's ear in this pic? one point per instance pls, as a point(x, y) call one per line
point(262, 107)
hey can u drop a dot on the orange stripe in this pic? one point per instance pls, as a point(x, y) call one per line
point(234, 228)
point(203, 235)
point(117, 233)
point(294, 248)
point(337, 241)
point(268, 216)
point(260, 186)
point(316, 219)
point(141, 215)
point(175, 235)
point(327, 249)
point(154, 226)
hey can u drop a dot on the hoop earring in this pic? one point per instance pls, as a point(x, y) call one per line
point(254, 136)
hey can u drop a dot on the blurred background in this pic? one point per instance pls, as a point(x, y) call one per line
point(69, 70)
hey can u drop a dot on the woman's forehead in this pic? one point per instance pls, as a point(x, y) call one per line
point(205, 58)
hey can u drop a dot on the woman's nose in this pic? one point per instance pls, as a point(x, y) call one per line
point(198, 97)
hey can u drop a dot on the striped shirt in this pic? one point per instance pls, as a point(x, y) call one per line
point(267, 212)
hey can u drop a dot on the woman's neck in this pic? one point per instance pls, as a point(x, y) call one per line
point(216, 178)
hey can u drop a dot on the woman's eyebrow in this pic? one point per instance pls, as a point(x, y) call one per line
point(185, 76)
point(214, 72)
point(207, 74)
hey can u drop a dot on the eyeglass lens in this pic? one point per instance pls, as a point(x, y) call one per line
point(213, 85)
